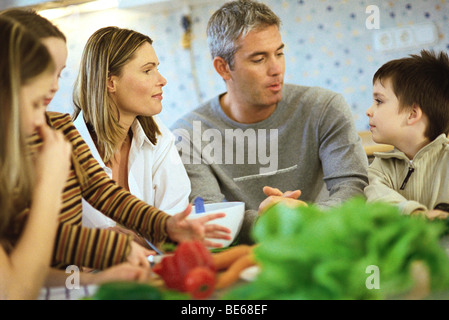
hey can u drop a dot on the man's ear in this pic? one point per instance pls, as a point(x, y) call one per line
point(222, 68)
point(111, 84)
point(415, 114)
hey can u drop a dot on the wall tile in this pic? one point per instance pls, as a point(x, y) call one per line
point(327, 45)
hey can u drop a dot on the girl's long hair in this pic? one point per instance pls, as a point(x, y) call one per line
point(22, 58)
point(43, 29)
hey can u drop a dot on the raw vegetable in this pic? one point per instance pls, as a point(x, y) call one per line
point(126, 291)
point(231, 275)
point(191, 254)
point(308, 253)
point(179, 270)
point(121, 290)
point(224, 259)
point(200, 282)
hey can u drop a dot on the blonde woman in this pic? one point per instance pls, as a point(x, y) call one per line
point(116, 103)
point(27, 69)
point(116, 106)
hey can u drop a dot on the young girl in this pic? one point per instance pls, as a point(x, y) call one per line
point(27, 69)
point(96, 248)
point(116, 103)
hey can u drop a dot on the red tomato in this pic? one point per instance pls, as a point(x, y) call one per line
point(190, 269)
point(200, 282)
point(192, 254)
point(168, 270)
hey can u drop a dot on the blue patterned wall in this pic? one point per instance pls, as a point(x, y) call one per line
point(327, 45)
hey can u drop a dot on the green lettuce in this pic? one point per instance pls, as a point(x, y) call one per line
point(309, 253)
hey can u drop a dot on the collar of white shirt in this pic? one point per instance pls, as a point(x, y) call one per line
point(139, 138)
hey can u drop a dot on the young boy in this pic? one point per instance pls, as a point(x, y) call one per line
point(411, 112)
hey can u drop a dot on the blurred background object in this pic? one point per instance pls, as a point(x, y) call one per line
point(337, 45)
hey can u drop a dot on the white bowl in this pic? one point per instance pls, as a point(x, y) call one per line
point(233, 220)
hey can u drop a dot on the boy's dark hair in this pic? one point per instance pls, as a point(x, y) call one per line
point(422, 80)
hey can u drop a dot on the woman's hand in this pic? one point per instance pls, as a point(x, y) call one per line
point(179, 228)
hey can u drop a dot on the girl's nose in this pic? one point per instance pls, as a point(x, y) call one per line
point(55, 85)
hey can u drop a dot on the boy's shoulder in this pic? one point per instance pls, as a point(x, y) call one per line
point(437, 150)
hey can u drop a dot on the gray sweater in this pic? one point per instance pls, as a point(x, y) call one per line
point(310, 138)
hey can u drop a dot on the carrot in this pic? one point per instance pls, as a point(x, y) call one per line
point(224, 259)
point(231, 275)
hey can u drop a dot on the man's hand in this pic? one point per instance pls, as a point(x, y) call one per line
point(274, 195)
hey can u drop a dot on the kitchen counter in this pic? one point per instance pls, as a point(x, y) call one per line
point(370, 146)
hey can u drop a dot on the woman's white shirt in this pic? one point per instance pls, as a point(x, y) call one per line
point(156, 174)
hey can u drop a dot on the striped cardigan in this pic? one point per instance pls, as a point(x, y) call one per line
point(97, 248)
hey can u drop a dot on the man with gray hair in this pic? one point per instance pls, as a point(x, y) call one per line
point(263, 141)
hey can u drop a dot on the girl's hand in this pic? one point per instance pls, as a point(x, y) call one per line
point(179, 228)
point(123, 272)
point(52, 164)
point(138, 255)
point(139, 239)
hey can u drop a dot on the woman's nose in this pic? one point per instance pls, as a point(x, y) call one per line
point(162, 80)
